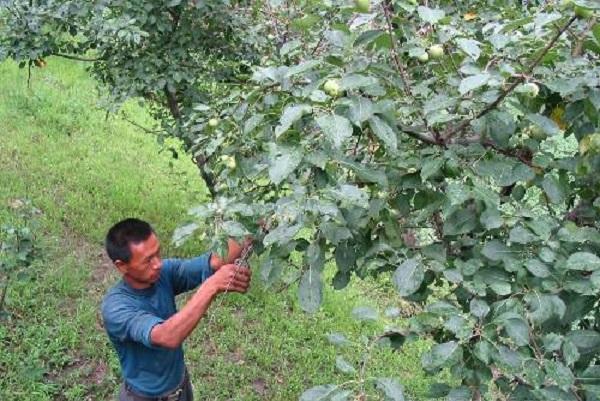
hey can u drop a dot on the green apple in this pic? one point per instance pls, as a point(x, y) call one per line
point(595, 142)
point(362, 6)
point(230, 163)
point(436, 51)
point(538, 133)
point(423, 58)
point(583, 13)
point(531, 89)
point(332, 88)
point(213, 122)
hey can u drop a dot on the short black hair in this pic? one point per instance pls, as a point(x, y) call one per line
point(124, 233)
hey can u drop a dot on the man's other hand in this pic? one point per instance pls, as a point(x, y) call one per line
point(230, 277)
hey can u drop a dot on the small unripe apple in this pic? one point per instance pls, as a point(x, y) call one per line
point(583, 13)
point(362, 5)
point(538, 133)
point(595, 143)
point(230, 163)
point(332, 88)
point(436, 51)
point(423, 58)
point(531, 89)
point(213, 122)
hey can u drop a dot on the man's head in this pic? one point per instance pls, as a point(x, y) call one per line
point(135, 250)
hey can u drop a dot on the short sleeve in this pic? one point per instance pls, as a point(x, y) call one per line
point(187, 274)
point(126, 323)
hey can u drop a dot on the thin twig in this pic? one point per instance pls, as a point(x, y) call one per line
point(460, 127)
point(78, 58)
point(147, 130)
point(395, 57)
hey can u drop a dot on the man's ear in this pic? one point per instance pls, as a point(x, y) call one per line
point(122, 266)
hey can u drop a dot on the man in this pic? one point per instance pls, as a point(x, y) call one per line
point(139, 312)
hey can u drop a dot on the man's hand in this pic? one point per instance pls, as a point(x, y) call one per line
point(234, 251)
point(230, 277)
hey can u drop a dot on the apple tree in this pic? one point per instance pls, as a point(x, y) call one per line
point(449, 145)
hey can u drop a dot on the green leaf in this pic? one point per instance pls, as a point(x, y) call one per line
point(282, 162)
point(361, 109)
point(470, 46)
point(343, 365)
point(462, 221)
point(560, 374)
point(430, 15)
point(319, 393)
point(521, 235)
point(479, 308)
point(408, 277)
point(430, 167)
point(391, 388)
point(385, 133)
point(500, 126)
point(546, 124)
point(336, 128)
point(337, 339)
point(356, 81)
point(491, 219)
point(234, 228)
point(518, 330)
point(553, 188)
point(345, 257)
point(473, 82)
point(586, 341)
point(496, 250)
point(584, 261)
point(281, 235)
point(543, 307)
point(441, 355)
point(290, 115)
point(183, 233)
point(570, 352)
point(366, 173)
point(460, 394)
point(537, 268)
point(364, 313)
point(310, 290)
point(351, 194)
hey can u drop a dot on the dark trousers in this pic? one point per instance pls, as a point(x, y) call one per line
point(182, 393)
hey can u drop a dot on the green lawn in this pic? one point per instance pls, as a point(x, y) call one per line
point(85, 172)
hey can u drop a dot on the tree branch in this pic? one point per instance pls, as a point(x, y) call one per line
point(172, 103)
point(71, 57)
point(460, 127)
point(395, 57)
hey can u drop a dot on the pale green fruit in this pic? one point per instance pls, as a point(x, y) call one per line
point(332, 88)
point(423, 58)
point(537, 133)
point(436, 51)
point(531, 89)
point(363, 5)
point(213, 122)
point(230, 163)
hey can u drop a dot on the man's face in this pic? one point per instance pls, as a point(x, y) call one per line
point(143, 269)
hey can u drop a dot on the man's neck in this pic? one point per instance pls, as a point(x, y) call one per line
point(136, 285)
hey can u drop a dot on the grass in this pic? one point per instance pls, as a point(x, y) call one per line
point(85, 172)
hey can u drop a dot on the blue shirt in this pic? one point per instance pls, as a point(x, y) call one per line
point(130, 314)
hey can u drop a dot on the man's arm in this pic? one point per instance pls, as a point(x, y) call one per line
point(172, 332)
